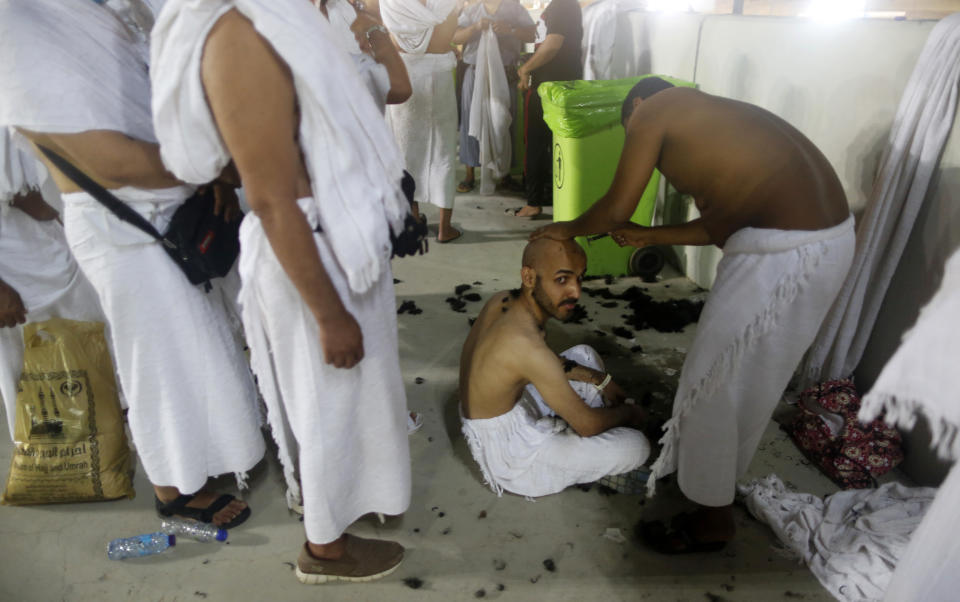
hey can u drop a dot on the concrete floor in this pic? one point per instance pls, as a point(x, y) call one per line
point(462, 541)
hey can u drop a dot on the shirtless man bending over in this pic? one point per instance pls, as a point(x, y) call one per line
point(771, 200)
point(513, 388)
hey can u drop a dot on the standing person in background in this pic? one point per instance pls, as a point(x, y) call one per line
point(513, 26)
point(360, 32)
point(82, 89)
point(39, 279)
point(322, 175)
point(426, 125)
point(557, 58)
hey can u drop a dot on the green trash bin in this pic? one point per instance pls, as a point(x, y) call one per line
point(584, 117)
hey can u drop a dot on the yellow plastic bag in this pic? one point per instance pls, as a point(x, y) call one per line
point(69, 440)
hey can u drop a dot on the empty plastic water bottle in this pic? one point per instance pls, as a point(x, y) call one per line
point(140, 545)
point(193, 529)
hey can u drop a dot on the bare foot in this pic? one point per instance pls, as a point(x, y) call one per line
point(528, 211)
point(201, 500)
point(448, 234)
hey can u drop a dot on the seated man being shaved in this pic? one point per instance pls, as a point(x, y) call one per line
point(536, 422)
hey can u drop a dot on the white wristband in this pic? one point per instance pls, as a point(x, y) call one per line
point(604, 383)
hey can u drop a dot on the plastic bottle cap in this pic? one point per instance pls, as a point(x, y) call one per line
point(221, 535)
point(172, 539)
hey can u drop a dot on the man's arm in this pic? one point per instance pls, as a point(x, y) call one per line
point(545, 52)
point(260, 132)
point(580, 373)
point(524, 33)
point(381, 47)
point(692, 233)
point(465, 34)
point(641, 151)
point(541, 368)
point(111, 158)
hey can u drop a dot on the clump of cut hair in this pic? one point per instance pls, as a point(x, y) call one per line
point(644, 89)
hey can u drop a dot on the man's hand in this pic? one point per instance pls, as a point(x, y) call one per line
point(524, 82)
point(638, 418)
point(613, 394)
point(32, 204)
point(502, 28)
point(632, 235)
point(342, 340)
point(12, 309)
point(556, 231)
point(225, 201)
point(360, 26)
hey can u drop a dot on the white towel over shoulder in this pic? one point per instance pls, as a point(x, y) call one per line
point(411, 22)
point(351, 158)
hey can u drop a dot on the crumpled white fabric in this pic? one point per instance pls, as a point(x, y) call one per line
point(920, 130)
point(920, 377)
point(411, 23)
point(352, 160)
point(851, 540)
point(490, 116)
point(90, 93)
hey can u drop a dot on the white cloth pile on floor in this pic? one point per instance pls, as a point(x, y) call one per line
point(851, 540)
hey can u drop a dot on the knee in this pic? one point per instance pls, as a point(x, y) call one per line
point(585, 355)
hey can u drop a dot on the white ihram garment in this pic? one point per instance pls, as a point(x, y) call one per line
point(349, 435)
point(920, 380)
point(772, 290)
point(425, 126)
point(341, 434)
point(490, 115)
point(348, 151)
point(192, 401)
point(851, 540)
point(530, 451)
point(36, 262)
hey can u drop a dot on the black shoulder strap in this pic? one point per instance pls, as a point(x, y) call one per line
point(115, 205)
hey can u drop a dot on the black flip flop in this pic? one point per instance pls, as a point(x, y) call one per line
point(178, 507)
point(466, 186)
point(675, 539)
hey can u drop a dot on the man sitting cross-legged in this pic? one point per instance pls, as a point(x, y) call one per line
point(513, 388)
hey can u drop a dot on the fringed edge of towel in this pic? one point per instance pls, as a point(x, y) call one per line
point(476, 450)
point(783, 295)
point(262, 367)
point(903, 411)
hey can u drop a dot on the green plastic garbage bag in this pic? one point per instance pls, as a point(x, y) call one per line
point(576, 109)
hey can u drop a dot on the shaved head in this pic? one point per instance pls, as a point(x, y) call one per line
point(542, 250)
point(552, 273)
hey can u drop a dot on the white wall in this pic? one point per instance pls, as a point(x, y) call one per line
point(839, 84)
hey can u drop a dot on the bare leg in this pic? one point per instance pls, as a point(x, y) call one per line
point(469, 181)
point(201, 500)
point(447, 232)
point(415, 210)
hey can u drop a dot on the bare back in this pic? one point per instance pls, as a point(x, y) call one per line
point(744, 166)
point(490, 380)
